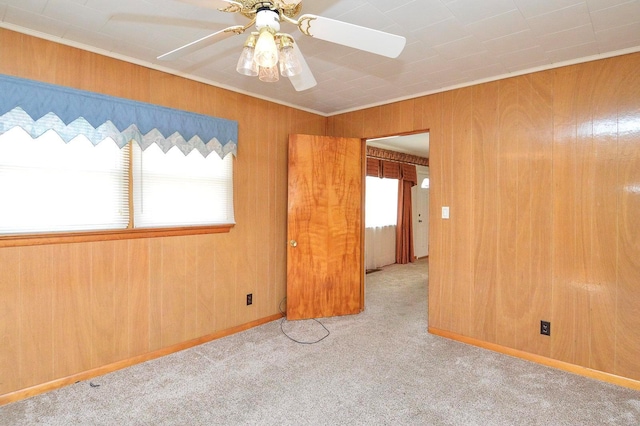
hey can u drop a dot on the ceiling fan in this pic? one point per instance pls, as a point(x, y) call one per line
point(268, 53)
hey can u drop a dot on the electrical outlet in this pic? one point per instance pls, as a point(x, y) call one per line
point(249, 299)
point(545, 328)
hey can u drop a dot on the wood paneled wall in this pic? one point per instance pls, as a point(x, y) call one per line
point(542, 176)
point(68, 308)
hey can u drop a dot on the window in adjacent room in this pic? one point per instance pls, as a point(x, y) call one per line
point(381, 202)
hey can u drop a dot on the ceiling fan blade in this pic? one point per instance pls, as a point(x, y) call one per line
point(202, 43)
point(305, 80)
point(362, 38)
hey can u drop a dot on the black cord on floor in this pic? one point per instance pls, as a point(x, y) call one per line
point(284, 318)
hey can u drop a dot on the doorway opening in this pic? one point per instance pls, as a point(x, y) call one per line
point(393, 221)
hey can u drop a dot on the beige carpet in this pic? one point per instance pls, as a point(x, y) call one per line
point(377, 368)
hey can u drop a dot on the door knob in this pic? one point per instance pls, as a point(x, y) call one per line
point(293, 243)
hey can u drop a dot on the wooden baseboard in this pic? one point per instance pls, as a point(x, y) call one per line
point(85, 375)
point(549, 362)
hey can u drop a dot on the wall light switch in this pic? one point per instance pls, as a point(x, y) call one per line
point(445, 212)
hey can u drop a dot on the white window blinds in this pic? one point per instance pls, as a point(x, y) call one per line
point(176, 190)
point(47, 185)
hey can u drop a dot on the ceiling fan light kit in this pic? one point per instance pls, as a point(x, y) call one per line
point(268, 53)
point(286, 60)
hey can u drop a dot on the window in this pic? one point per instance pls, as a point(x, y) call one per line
point(47, 185)
point(66, 164)
point(176, 190)
point(381, 202)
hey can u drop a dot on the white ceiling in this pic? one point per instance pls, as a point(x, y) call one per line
point(450, 43)
point(415, 144)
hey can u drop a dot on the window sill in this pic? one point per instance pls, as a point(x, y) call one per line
point(124, 234)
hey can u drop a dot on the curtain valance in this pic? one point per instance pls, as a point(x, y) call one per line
point(400, 157)
point(391, 170)
point(38, 107)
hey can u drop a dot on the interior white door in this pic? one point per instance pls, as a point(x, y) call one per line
point(420, 207)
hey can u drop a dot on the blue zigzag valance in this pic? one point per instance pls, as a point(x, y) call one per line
point(38, 107)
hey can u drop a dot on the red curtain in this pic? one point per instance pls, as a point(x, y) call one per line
point(407, 177)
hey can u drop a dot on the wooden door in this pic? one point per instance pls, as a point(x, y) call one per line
point(325, 274)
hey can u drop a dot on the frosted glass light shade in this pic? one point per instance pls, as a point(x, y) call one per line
point(269, 75)
point(289, 63)
point(246, 64)
point(266, 53)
